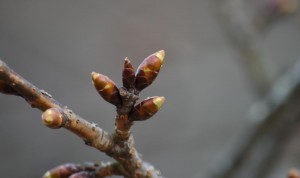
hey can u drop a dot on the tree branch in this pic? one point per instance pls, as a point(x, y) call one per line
point(91, 134)
point(120, 144)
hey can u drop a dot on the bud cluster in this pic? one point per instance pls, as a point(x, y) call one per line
point(133, 82)
point(146, 108)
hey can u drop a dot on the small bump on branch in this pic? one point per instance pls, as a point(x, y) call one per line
point(53, 118)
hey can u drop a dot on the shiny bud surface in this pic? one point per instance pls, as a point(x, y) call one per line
point(146, 108)
point(53, 118)
point(148, 70)
point(106, 88)
point(128, 75)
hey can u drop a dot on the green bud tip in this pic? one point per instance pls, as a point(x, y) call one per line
point(94, 75)
point(53, 118)
point(126, 60)
point(159, 101)
point(47, 175)
point(160, 54)
point(48, 119)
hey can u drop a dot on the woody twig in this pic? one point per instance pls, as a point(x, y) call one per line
point(119, 144)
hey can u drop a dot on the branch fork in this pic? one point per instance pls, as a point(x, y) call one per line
point(119, 144)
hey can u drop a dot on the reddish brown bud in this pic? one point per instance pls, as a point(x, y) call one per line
point(294, 173)
point(53, 118)
point(106, 88)
point(128, 76)
point(146, 108)
point(6, 89)
point(83, 174)
point(148, 70)
point(285, 6)
point(63, 171)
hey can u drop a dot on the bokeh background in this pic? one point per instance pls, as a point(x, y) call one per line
point(207, 78)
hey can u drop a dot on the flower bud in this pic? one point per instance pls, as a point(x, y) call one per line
point(128, 76)
point(284, 6)
point(53, 118)
point(106, 88)
point(82, 174)
point(294, 173)
point(148, 70)
point(146, 108)
point(62, 171)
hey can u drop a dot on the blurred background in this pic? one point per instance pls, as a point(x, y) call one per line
point(230, 64)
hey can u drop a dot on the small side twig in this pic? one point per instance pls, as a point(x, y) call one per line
point(118, 145)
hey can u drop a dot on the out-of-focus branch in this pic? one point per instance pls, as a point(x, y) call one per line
point(273, 119)
point(89, 132)
point(271, 122)
point(244, 30)
point(243, 35)
point(6, 89)
point(294, 173)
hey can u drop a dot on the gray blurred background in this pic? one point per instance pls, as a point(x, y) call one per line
point(206, 79)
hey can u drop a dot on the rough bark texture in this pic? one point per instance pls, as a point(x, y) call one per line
point(119, 145)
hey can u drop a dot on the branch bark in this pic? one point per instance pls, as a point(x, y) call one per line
point(92, 135)
point(119, 145)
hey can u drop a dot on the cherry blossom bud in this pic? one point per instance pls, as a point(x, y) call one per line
point(146, 108)
point(294, 173)
point(128, 75)
point(148, 70)
point(106, 88)
point(62, 171)
point(284, 6)
point(83, 174)
point(53, 118)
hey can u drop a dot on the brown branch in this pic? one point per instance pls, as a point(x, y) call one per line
point(91, 134)
point(124, 150)
point(123, 124)
point(119, 145)
point(6, 89)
